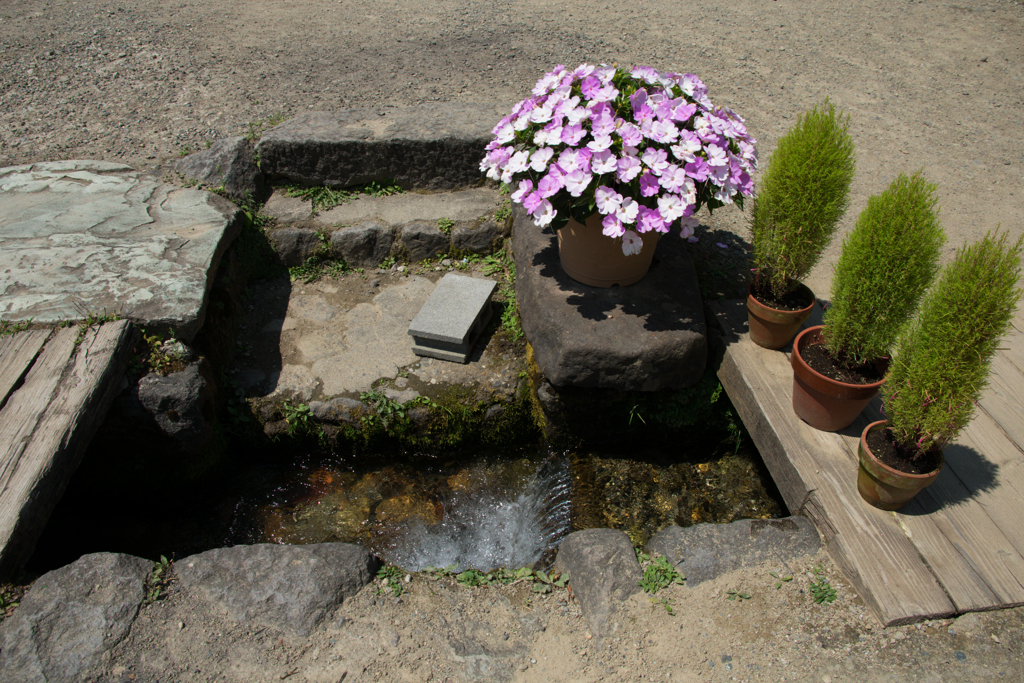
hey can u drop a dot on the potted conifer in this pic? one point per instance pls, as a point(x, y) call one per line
point(803, 194)
point(888, 260)
point(939, 368)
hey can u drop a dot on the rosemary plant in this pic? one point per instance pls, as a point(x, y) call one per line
point(941, 362)
point(804, 192)
point(889, 259)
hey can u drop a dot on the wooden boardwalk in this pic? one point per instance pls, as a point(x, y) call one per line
point(957, 547)
point(55, 390)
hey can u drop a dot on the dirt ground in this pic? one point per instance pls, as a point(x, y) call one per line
point(928, 85)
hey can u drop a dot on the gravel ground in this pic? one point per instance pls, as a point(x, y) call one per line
point(929, 85)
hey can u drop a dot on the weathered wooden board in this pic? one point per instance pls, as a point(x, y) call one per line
point(46, 425)
point(816, 473)
point(16, 355)
point(1003, 400)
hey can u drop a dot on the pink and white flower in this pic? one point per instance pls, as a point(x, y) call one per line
point(631, 243)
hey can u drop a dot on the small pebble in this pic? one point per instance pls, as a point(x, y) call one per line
point(181, 625)
point(375, 283)
point(960, 656)
point(447, 262)
point(402, 269)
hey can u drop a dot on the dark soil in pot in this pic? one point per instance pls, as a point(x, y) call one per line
point(822, 362)
point(797, 300)
point(884, 447)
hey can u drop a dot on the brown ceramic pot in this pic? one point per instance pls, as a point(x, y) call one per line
point(882, 486)
point(772, 328)
point(820, 401)
point(593, 258)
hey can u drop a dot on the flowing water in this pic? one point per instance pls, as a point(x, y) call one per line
point(508, 508)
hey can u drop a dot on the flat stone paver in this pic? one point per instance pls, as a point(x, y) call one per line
point(452, 318)
point(93, 236)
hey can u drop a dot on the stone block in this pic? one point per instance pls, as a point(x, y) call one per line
point(423, 240)
point(433, 146)
point(363, 246)
point(452, 318)
point(647, 336)
point(481, 238)
point(229, 163)
point(705, 551)
point(293, 245)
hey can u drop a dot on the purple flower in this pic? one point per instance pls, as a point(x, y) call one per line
point(649, 185)
point(549, 185)
point(638, 99)
point(571, 135)
point(646, 73)
point(589, 86)
point(582, 71)
point(525, 188)
point(612, 226)
point(650, 219)
point(630, 134)
point(606, 93)
point(532, 201)
point(629, 168)
point(602, 125)
point(697, 169)
point(673, 178)
point(683, 112)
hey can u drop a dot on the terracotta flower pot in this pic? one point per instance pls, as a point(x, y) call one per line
point(772, 328)
point(882, 486)
point(822, 402)
point(590, 257)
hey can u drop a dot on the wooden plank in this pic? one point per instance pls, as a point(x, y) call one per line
point(16, 355)
point(991, 467)
point(1003, 400)
point(76, 396)
point(817, 475)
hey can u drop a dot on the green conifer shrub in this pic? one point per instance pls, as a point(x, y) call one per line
point(888, 261)
point(942, 359)
point(804, 192)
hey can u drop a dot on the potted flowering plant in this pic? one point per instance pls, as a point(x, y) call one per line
point(804, 192)
point(612, 158)
point(888, 261)
point(939, 368)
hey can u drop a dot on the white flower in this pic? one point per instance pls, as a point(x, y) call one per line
point(671, 207)
point(576, 182)
point(505, 133)
point(543, 214)
point(600, 142)
point(603, 161)
point(517, 164)
point(608, 200)
point(541, 157)
point(631, 243)
point(627, 211)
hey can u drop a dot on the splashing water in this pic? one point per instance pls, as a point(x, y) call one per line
point(517, 526)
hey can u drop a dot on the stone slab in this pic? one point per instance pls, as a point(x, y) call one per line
point(228, 164)
point(399, 209)
point(93, 236)
point(431, 146)
point(647, 336)
point(705, 551)
point(456, 303)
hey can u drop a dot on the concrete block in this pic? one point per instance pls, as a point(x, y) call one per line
point(452, 318)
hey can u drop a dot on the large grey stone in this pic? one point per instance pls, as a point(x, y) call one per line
point(603, 570)
point(430, 146)
point(182, 404)
point(80, 236)
point(338, 410)
point(363, 246)
point(423, 240)
point(294, 245)
point(705, 551)
point(478, 238)
point(228, 163)
point(71, 617)
point(287, 587)
point(647, 336)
